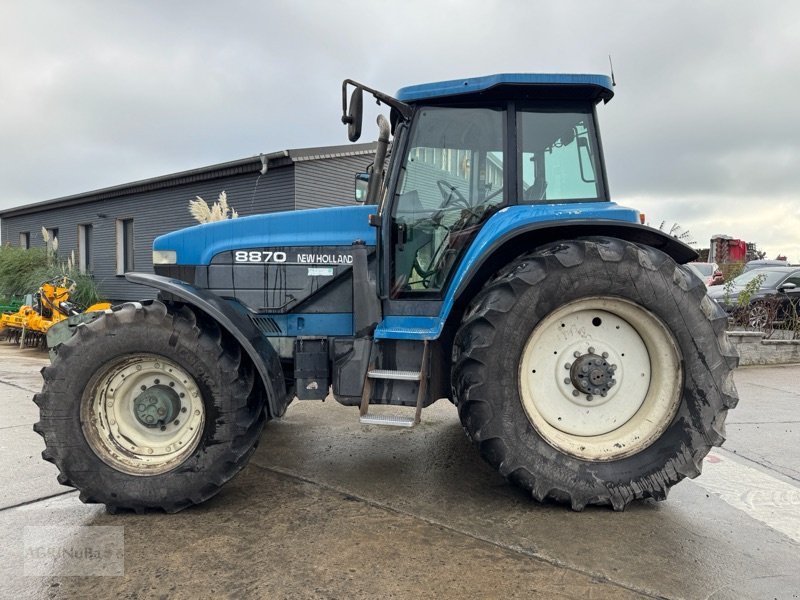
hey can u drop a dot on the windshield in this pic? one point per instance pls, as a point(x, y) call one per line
point(771, 278)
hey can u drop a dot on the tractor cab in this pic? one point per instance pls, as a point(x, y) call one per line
point(463, 151)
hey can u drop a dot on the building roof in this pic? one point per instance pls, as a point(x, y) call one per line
point(427, 91)
point(251, 164)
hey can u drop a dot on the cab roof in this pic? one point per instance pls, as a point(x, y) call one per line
point(598, 87)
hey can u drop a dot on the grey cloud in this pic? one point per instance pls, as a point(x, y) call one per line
point(96, 94)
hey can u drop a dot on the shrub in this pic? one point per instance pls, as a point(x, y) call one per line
point(20, 270)
point(23, 271)
point(203, 213)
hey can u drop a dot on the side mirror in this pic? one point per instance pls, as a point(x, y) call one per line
point(354, 115)
point(361, 187)
point(787, 287)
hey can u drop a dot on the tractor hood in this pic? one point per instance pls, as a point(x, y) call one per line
point(337, 226)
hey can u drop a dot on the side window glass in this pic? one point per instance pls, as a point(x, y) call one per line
point(451, 183)
point(558, 156)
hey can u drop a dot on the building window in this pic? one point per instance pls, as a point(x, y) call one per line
point(124, 246)
point(25, 239)
point(52, 239)
point(85, 248)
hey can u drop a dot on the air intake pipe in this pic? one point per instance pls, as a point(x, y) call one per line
point(376, 175)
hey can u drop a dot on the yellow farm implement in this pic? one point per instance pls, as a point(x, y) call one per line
point(29, 325)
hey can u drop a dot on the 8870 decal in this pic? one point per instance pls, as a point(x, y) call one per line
point(259, 256)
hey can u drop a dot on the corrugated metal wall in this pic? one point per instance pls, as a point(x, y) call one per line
point(328, 182)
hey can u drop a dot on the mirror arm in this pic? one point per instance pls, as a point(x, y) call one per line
point(401, 107)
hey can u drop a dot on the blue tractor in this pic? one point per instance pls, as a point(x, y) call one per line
point(486, 265)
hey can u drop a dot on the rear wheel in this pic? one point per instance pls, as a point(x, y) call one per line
point(594, 372)
point(149, 408)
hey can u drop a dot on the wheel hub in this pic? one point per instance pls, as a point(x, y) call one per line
point(156, 406)
point(143, 415)
point(592, 375)
point(597, 378)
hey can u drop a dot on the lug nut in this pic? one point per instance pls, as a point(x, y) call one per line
point(568, 366)
point(589, 397)
point(575, 393)
point(591, 350)
point(567, 380)
point(576, 354)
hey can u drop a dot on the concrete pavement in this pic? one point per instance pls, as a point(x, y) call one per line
point(330, 509)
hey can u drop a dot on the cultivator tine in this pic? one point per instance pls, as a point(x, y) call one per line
point(32, 339)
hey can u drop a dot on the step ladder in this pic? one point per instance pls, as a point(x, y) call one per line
point(395, 420)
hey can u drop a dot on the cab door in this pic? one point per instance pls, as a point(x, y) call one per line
point(452, 180)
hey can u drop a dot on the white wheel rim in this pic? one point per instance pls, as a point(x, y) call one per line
point(633, 411)
point(154, 386)
point(758, 317)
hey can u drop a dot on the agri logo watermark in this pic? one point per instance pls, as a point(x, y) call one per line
point(74, 551)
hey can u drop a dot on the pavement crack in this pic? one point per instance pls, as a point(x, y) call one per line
point(509, 547)
point(768, 387)
point(35, 500)
point(796, 422)
point(25, 425)
point(766, 464)
point(12, 384)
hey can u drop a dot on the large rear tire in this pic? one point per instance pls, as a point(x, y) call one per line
point(594, 371)
point(149, 408)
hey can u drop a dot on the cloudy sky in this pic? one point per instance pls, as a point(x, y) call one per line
point(703, 130)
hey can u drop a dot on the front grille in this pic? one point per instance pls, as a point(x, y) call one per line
point(183, 272)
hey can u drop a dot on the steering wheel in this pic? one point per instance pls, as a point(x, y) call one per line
point(450, 194)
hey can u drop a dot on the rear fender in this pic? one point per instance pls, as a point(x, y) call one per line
point(235, 322)
point(511, 243)
point(497, 246)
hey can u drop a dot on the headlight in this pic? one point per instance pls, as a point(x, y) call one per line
point(165, 257)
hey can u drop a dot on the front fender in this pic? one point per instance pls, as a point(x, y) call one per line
point(235, 322)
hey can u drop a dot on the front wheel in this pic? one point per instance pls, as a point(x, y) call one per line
point(149, 407)
point(614, 373)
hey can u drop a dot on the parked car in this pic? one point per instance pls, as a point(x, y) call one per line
point(708, 272)
point(776, 299)
point(764, 263)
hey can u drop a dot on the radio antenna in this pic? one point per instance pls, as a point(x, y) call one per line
point(610, 64)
